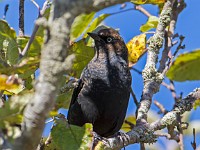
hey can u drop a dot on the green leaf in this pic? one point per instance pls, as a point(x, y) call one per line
point(8, 47)
point(6, 30)
point(35, 47)
point(63, 100)
point(185, 67)
point(70, 137)
point(80, 23)
point(25, 69)
point(12, 110)
point(83, 55)
point(95, 23)
point(150, 24)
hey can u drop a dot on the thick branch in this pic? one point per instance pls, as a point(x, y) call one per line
point(153, 79)
point(145, 133)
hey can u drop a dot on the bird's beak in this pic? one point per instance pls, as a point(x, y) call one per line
point(94, 36)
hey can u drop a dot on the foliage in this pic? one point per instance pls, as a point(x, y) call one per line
point(185, 67)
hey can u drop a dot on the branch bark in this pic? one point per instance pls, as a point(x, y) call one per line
point(152, 78)
point(21, 17)
point(146, 132)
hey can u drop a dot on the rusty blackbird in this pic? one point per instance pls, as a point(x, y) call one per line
point(102, 95)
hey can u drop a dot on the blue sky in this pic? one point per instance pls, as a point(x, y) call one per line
point(129, 23)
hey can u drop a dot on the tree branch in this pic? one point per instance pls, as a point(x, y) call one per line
point(145, 132)
point(36, 27)
point(153, 79)
point(21, 17)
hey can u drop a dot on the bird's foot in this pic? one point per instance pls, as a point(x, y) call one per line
point(122, 135)
point(99, 138)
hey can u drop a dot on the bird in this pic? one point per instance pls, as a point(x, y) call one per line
point(102, 95)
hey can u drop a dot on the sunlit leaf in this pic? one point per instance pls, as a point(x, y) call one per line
point(83, 55)
point(70, 137)
point(35, 47)
point(185, 67)
point(25, 68)
point(196, 104)
point(139, 1)
point(156, 1)
point(11, 83)
point(6, 30)
point(95, 23)
point(136, 48)
point(150, 24)
point(8, 46)
point(128, 124)
point(80, 23)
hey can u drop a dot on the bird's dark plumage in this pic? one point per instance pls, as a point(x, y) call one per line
point(102, 95)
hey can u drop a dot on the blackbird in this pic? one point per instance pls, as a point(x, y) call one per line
point(102, 95)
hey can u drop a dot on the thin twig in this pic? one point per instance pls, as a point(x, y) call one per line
point(171, 88)
point(144, 11)
point(161, 107)
point(167, 47)
point(21, 18)
point(194, 145)
point(36, 27)
point(136, 70)
point(179, 47)
point(121, 11)
point(5, 11)
point(181, 145)
point(134, 97)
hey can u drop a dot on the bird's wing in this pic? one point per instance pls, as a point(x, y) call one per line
point(76, 92)
point(78, 89)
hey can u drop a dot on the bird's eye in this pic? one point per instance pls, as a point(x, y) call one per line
point(109, 39)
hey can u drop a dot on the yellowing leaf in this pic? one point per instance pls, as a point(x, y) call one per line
point(185, 67)
point(136, 48)
point(128, 124)
point(139, 2)
point(156, 1)
point(150, 24)
point(10, 83)
point(196, 104)
point(25, 69)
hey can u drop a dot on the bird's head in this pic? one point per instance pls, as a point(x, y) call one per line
point(109, 41)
